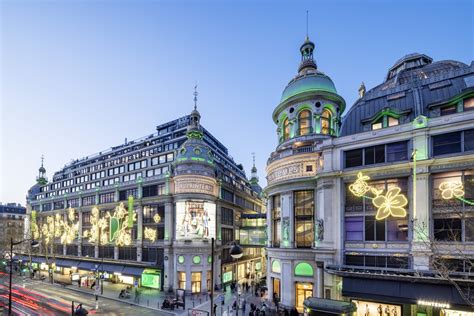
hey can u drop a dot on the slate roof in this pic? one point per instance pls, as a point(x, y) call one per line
point(411, 86)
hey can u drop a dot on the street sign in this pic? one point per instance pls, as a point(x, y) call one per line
point(135, 283)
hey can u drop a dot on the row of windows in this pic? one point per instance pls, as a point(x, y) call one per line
point(396, 262)
point(467, 105)
point(227, 216)
point(137, 165)
point(110, 181)
point(162, 159)
point(157, 171)
point(305, 124)
point(367, 228)
point(393, 152)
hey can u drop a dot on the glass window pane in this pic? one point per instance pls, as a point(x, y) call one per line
point(392, 121)
point(447, 143)
point(469, 140)
point(353, 158)
point(397, 151)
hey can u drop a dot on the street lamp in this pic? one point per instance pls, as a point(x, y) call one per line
point(34, 244)
point(236, 252)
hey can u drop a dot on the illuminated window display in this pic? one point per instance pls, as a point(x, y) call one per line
point(373, 308)
point(303, 291)
point(195, 220)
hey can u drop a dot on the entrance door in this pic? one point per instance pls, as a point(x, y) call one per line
point(303, 291)
point(276, 288)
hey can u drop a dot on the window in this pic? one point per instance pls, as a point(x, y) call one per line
point(374, 154)
point(304, 121)
point(86, 218)
point(448, 110)
point(302, 292)
point(385, 120)
point(107, 197)
point(326, 122)
point(88, 251)
point(123, 195)
point(88, 200)
point(396, 262)
point(393, 152)
point(364, 226)
point(469, 140)
point(227, 195)
point(353, 158)
point(397, 151)
point(128, 253)
point(468, 104)
point(106, 252)
point(354, 227)
point(182, 280)
point(227, 217)
point(149, 212)
point(276, 216)
point(73, 203)
point(196, 282)
point(151, 190)
point(446, 143)
point(304, 218)
point(447, 229)
point(286, 129)
point(227, 235)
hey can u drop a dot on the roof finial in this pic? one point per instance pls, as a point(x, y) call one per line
point(42, 160)
point(195, 95)
point(307, 22)
point(253, 157)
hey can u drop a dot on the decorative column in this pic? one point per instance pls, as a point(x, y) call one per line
point(287, 285)
point(139, 232)
point(168, 270)
point(64, 245)
point(421, 246)
point(319, 280)
point(169, 223)
point(116, 253)
point(287, 221)
point(269, 223)
point(79, 238)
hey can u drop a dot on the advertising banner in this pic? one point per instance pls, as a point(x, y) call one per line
point(195, 220)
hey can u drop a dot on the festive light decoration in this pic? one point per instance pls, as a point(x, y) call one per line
point(150, 234)
point(69, 228)
point(391, 204)
point(157, 218)
point(98, 224)
point(451, 189)
point(120, 225)
point(454, 190)
point(35, 232)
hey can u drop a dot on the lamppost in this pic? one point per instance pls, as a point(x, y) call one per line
point(236, 252)
point(34, 243)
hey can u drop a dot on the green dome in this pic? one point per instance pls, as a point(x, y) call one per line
point(308, 83)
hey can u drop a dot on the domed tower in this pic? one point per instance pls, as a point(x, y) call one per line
point(41, 179)
point(310, 108)
point(300, 197)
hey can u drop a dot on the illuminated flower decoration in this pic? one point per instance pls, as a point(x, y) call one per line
point(98, 224)
point(360, 186)
point(120, 232)
point(392, 203)
point(69, 228)
point(451, 189)
point(150, 234)
point(157, 218)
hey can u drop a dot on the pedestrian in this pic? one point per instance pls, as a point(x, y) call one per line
point(215, 309)
point(294, 312)
point(244, 303)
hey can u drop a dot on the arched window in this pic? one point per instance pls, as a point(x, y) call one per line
point(326, 122)
point(304, 121)
point(304, 269)
point(276, 267)
point(286, 129)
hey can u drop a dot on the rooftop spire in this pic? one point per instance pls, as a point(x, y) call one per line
point(254, 177)
point(307, 63)
point(41, 179)
point(195, 96)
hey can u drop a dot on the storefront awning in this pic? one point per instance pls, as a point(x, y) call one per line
point(111, 268)
point(39, 259)
point(66, 263)
point(329, 306)
point(133, 271)
point(84, 265)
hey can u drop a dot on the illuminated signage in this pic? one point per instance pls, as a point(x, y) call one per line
point(151, 280)
point(298, 167)
point(195, 184)
point(390, 204)
point(433, 304)
point(373, 308)
point(195, 220)
point(227, 277)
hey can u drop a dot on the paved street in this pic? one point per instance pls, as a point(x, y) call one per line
point(55, 299)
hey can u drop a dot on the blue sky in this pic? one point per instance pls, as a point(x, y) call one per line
point(78, 77)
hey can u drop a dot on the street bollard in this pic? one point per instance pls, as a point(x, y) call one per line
point(72, 308)
point(147, 302)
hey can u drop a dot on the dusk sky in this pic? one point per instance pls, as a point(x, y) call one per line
point(78, 77)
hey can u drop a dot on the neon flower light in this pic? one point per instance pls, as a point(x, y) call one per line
point(69, 228)
point(157, 218)
point(453, 190)
point(391, 204)
point(150, 234)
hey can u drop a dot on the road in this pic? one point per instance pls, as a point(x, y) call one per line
point(33, 297)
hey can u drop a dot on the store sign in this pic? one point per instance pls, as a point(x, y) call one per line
point(295, 169)
point(373, 308)
point(195, 220)
point(195, 184)
point(433, 304)
point(75, 277)
point(151, 280)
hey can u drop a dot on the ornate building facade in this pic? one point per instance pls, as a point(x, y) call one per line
point(144, 212)
point(378, 209)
